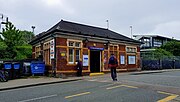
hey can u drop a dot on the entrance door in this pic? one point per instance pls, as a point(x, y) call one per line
point(95, 61)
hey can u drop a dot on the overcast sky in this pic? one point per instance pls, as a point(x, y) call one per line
point(160, 17)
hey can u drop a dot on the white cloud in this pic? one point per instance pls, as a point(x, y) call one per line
point(58, 6)
point(170, 29)
point(154, 16)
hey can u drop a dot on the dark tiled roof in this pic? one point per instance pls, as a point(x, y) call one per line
point(76, 28)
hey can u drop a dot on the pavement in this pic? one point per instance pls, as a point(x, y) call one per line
point(29, 82)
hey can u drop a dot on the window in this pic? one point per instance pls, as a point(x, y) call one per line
point(77, 54)
point(157, 42)
point(122, 59)
point(131, 49)
point(77, 44)
point(74, 48)
point(71, 53)
point(71, 43)
point(131, 59)
point(114, 50)
point(146, 42)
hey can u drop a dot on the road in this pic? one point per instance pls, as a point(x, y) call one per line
point(129, 88)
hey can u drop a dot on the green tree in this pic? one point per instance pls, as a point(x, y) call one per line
point(162, 53)
point(14, 43)
point(26, 36)
point(157, 54)
point(11, 38)
point(172, 47)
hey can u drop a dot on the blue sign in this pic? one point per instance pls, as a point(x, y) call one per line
point(95, 48)
point(37, 67)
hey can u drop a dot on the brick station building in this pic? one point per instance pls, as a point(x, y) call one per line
point(66, 42)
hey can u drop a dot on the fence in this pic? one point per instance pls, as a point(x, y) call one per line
point(163, 62)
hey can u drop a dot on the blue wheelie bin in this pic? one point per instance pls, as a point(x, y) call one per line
point(16, 71)
point(8, 68)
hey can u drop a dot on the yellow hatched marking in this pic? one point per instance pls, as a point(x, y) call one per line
point(171, 97)
point(80, 94)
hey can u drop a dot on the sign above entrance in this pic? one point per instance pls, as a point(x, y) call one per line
point(95, 48)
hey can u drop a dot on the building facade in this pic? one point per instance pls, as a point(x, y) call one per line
point(150, 42)
point(66, 42)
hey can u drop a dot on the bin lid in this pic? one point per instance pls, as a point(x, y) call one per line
point(27, 63)
point(37, 62)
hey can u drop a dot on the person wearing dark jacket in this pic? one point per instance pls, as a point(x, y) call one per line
point(112, 64)
point(79, 68)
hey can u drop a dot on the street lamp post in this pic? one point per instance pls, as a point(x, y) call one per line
point(107, 24)
point(33, 27)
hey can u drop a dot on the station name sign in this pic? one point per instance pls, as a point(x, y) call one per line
point(95, 48)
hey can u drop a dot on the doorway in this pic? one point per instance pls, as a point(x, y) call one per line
point(95, 59)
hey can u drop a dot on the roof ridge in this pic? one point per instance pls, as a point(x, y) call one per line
point(84, 25)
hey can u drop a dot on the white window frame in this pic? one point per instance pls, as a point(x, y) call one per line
point(74, 47)
point(79, 50)
point(131, 49)
point(72, 56)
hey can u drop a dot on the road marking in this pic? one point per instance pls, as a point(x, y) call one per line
point(38, 98)
point(171, 97)
point(80, 94)
point(130, 86)
point(121, 86)
point(113, 87)
point(107, 85)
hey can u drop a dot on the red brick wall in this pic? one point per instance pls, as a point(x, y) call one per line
point(33, 52)
point(33, 48)
point(138, 49)
point(122, 47)
point(62, 60)
point(62, 64)
point(99, 45)
point(61, 41)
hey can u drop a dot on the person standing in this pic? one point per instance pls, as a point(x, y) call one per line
point(79, 68)
point(112, 64)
